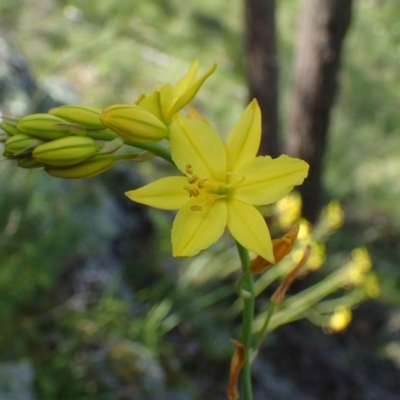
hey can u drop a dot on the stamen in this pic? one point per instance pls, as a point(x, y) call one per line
point(193, 192)
point(201, 183)
point(189, 169)
point(193, 179)
point(196, 207)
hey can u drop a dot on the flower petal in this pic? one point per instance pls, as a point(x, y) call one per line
point(194, 231)
point(187, 79)
point(152, 103)
point(166, 101)
point(196, 143)
point(190, 92)
point(248, 227)
point(244, 140)
point(268, 180)
point(166, 193)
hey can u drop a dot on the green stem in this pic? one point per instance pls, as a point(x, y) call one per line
point(248, 316)
point(263, 330)
point(154, 148)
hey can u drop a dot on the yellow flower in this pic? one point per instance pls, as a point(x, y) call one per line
point(168, 100)
point(222, 185)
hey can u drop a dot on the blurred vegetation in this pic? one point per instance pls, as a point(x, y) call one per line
point(107, 52)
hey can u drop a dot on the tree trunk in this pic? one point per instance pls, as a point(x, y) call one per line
point(262, 68)
point(323, 26)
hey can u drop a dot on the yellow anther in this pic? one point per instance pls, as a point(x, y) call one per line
point(193, 179)
point(196, 207)
point(189, 169)
point(201, 183)
point(193, 192)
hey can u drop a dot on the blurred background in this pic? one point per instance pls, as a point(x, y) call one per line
point(92, 305)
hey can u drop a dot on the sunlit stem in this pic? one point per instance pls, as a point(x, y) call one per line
point(154, 148)
point(248, 316)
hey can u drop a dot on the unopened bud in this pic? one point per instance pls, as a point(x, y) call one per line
point(19, 143)
point(48, 127)
point(86, 116)
point(86, 169)
point(134, 123)
point(66, 151)
point(10, 127)
point(29, 162)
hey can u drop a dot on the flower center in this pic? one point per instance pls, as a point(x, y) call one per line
point(206, 190)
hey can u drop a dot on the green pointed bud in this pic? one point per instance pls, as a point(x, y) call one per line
point(48, 127)
point(10, 127)
point(29, 162)
point(86, 169)
point(7, 154)
point(86, 116)
point(19, 143)
point(66, 151)
point(134, 123)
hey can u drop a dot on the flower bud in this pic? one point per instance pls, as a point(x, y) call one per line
point(29, 162)
point(10, 127)
point(66, 151)
point(48, 127)
point(86, 116)
point(18, 143)
point(86, 169)
point(134, 123)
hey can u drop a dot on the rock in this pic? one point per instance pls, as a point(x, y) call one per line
point(16, 380)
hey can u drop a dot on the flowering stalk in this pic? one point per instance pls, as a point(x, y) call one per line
point(154, 148)
point(248, 316)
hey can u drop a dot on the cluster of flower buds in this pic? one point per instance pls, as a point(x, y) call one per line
point(59, 141)
point(65, 141)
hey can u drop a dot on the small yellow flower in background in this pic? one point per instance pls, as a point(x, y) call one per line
point(288, 210)
point(168, 100)
point(340, 319)
point(223, 183)
point(318, 255)
point(371, 286)
point(359, 265)
point(333, 213)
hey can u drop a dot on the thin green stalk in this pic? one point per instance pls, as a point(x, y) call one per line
point(154, 148)
point(248, 316)
point(264, 328)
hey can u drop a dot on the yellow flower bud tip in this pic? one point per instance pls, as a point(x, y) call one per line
point(134, 123)
point(86, 169)
point(66, 151)
point(20, 143)
point(340, 319)
point(281, 248)
point(87, 117)
point(45, 126)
